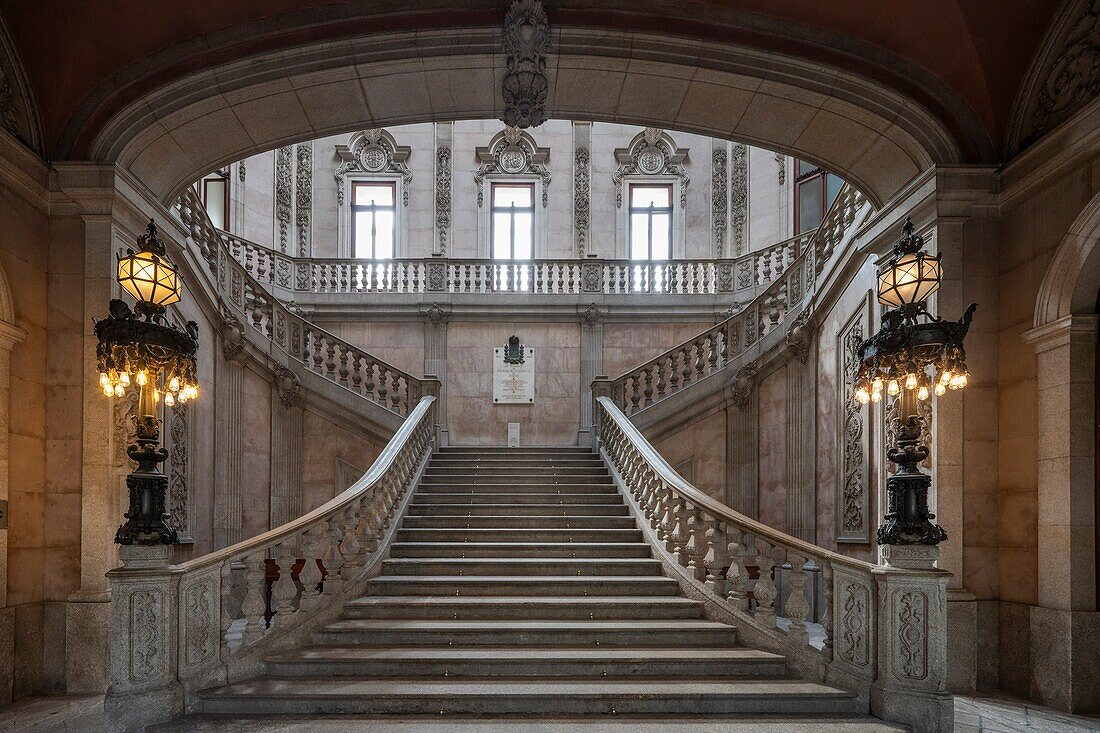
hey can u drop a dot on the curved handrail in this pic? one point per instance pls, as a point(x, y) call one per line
point(313, 347)
point(717, 347)
point(544, 276)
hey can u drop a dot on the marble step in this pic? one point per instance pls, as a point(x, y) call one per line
point(521, 549)
point(463, 521)
point(553, 509)
point(528, 632)
point(524, 607)
point(521, 566)
point(470, 488)
point(502, 696)
point(512, 479)
point(518, 534)
point(520, 451)
point(508, 471)
point(539, 585)
point(594, 462)
point(530, 497)
point(512, 661)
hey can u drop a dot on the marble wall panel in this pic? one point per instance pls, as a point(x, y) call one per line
point(256, 454)
point(772, 449)
point(400, 344)
point(626, 345)
point(323, 443)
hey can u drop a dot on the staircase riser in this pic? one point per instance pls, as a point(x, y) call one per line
point(594, 464)
point(464, 566)
point(488, 667)
point(545, 473)
point(543, 637)
point(516, 612)
point(507, 522)
point(491, 491)
point(384, 587)
point(523, 704)
point(470, 499)
point(541, 479)
point(477, 450)
point(575, 534)
point(473, 550)
point(529, 510)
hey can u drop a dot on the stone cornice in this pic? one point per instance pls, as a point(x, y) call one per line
point(1061, 332)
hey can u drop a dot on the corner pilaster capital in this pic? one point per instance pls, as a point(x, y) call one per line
point(1062, 332)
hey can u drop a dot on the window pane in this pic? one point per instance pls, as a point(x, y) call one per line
point(644, 196)
point(522, 242)
point(661, 249)
point(639, 236)
point(501, 243)
point(383, 236)
point(380, 194)
point(522, 196)
point(809, 204)
point(363, 243)
point(833, 183)
point(802, 168)
point(214, 201)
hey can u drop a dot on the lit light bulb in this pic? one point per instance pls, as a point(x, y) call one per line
point(119, 390)
point(911, 381)
point(142, 378)
point(174, 384)
point(945, 377)
point(104, 380)
point(892, 388)
point(125, 379)
point(108, 391)
point(863, 396)
point(192, 391)
point(876, 396)
point(940, 389)
point(183, 398)
point(922, 393)
point(963, 379)
point(169, 399)
point(876, 386)
point(156, 395)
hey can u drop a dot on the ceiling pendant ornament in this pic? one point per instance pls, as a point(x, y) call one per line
point(651, 153)
point(526, 43)
point(512, 152)
point(372, 151)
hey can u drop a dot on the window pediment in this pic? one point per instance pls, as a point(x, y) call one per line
point(652, 152)
point(372, 151)
point(512, 152)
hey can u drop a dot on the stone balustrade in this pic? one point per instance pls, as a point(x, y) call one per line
point(308, 345)
point(727, 342)
point(740, 277)
point(177, 629)
point(883, 628)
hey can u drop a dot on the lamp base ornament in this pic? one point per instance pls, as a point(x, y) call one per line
point(147, 518)
point(908, 521)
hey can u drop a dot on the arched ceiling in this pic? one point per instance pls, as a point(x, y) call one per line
point(953, 65)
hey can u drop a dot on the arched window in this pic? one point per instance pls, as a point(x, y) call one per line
point(372, 191)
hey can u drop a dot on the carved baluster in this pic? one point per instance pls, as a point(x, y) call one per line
point(676, 531)
point(695, 548)
point(737, 577)
point(366, 531)
point(717, 556)
point(662, 385)
point(827, 615)
point(314, 541)
point(318, 359)
point(796, 607)
point(647, 393)
point(396, 394)
point(356, 373)
point(368, 373)
point(351, 552)
point(687, 371)
point(342, 365)
point(383, 391)
point(284, 591)
point(253, 605)
point(247, 261)
point(765, 591)
point(330, 361)
point(336, 530)
point(635, 393)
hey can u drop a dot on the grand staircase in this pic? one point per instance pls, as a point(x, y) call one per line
point(519, 584)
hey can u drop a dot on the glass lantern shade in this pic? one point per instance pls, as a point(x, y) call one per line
point(149, 278)
point(909, 279)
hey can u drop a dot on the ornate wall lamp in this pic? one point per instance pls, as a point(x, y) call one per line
point(139, 347)
point(913, 356)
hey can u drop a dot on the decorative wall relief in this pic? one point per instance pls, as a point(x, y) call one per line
point(284, 198)
point(739, 199)
point(179, 460)
point(443, 196)
point(781, 161)
point(651, 153)
point(18, 114)
point(303, 197)
point(912, 627)
point(854, 472)
point(1064, 77)
point(287, 385)
point(719, 202)
point(512, 152)
point(581, 192)
point(743, 383)
point(526, 43)
point(372, 151)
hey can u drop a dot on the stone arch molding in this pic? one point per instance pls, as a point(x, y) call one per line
point(1072, 279)
point(846, 123)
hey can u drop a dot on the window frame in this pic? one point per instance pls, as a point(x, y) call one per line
point(354, 209)
point(493, 210)
point(649, 211)
point(219, 176)
point(814, 175)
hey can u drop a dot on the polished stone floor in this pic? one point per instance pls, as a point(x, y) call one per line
point(972, 715)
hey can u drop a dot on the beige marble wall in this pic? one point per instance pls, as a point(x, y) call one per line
point(399, 343)
point(473, 419)
point(323, 442)
point(626, 345)
point(701, 445)
point(772, 448)
point(256, 453)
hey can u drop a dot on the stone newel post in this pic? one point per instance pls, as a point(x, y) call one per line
point(432, 386)
point(144, 688)
point(911, 684)
point(601, 387)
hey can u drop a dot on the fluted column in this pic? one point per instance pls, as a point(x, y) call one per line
point(801, 494)
point(286, 449)
point(229, 384)
point(591, 367)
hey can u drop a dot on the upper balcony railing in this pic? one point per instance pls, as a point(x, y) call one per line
point(727, 342)
point(314, 348)
point(740, 277)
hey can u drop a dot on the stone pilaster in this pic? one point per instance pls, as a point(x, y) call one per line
point(582, 184)
point(435, 359)
point(229, 384)
point(742, 461)
point(801, 483)
point(444, 134)
point(591, 367)
point(286, 449)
